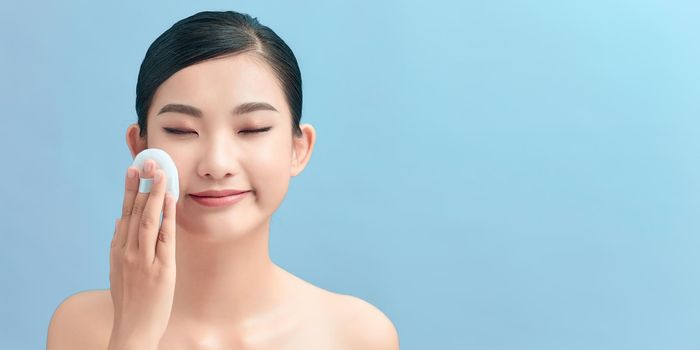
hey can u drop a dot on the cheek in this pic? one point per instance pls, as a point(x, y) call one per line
point(183, 161)
point(270, 171)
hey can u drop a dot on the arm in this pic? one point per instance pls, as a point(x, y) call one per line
point(69, 325)
point(84, 321)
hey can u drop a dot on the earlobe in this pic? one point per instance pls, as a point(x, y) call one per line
point(134, 141)
point(302, 148)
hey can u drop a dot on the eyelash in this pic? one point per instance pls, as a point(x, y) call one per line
point(184, 132)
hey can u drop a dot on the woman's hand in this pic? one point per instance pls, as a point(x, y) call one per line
point(142, 262)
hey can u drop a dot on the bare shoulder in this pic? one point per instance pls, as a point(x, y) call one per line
point(362, 325)
point(352, 322)
point(82, 321)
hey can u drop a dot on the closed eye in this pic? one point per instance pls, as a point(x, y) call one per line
point(176, 131)
point(256, 130)
point(183, 132)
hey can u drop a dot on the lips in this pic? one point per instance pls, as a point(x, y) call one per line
point(220, 201)
point(217, 193)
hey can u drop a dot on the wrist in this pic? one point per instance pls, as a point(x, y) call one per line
point(132, 342)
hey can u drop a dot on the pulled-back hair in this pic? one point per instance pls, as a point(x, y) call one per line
point(211, 34)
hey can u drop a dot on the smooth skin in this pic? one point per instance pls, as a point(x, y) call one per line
point(142, 260)
point(204, 279)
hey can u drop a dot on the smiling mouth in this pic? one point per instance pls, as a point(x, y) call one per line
point(210, 201)
point(217, 193)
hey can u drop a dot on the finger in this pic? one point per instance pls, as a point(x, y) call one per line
point(131, 188)
point(113, 243)
point(132, 243)
point(114, 260)
point(165, 246)
point(150, 220)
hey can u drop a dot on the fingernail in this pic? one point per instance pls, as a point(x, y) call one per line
point(130, 173)
point(158, 177)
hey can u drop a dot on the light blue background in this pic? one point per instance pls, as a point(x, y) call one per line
point(490, 174)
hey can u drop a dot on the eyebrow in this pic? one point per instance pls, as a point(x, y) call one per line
point(242, 108)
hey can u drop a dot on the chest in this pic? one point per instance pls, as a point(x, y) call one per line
point(289, 335)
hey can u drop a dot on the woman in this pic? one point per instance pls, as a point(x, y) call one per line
point(221, 94)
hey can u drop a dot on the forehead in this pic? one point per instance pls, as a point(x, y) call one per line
point(219, 84)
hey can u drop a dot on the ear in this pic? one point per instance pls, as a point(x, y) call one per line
point(134, 141)
point(302, 147)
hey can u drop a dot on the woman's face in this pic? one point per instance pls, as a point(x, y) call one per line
point(218, 150)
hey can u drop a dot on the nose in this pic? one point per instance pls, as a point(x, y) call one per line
point(218, 160)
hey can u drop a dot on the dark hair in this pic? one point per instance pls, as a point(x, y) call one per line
point(211, 34)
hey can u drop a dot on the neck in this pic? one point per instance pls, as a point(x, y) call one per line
point(224, 282)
